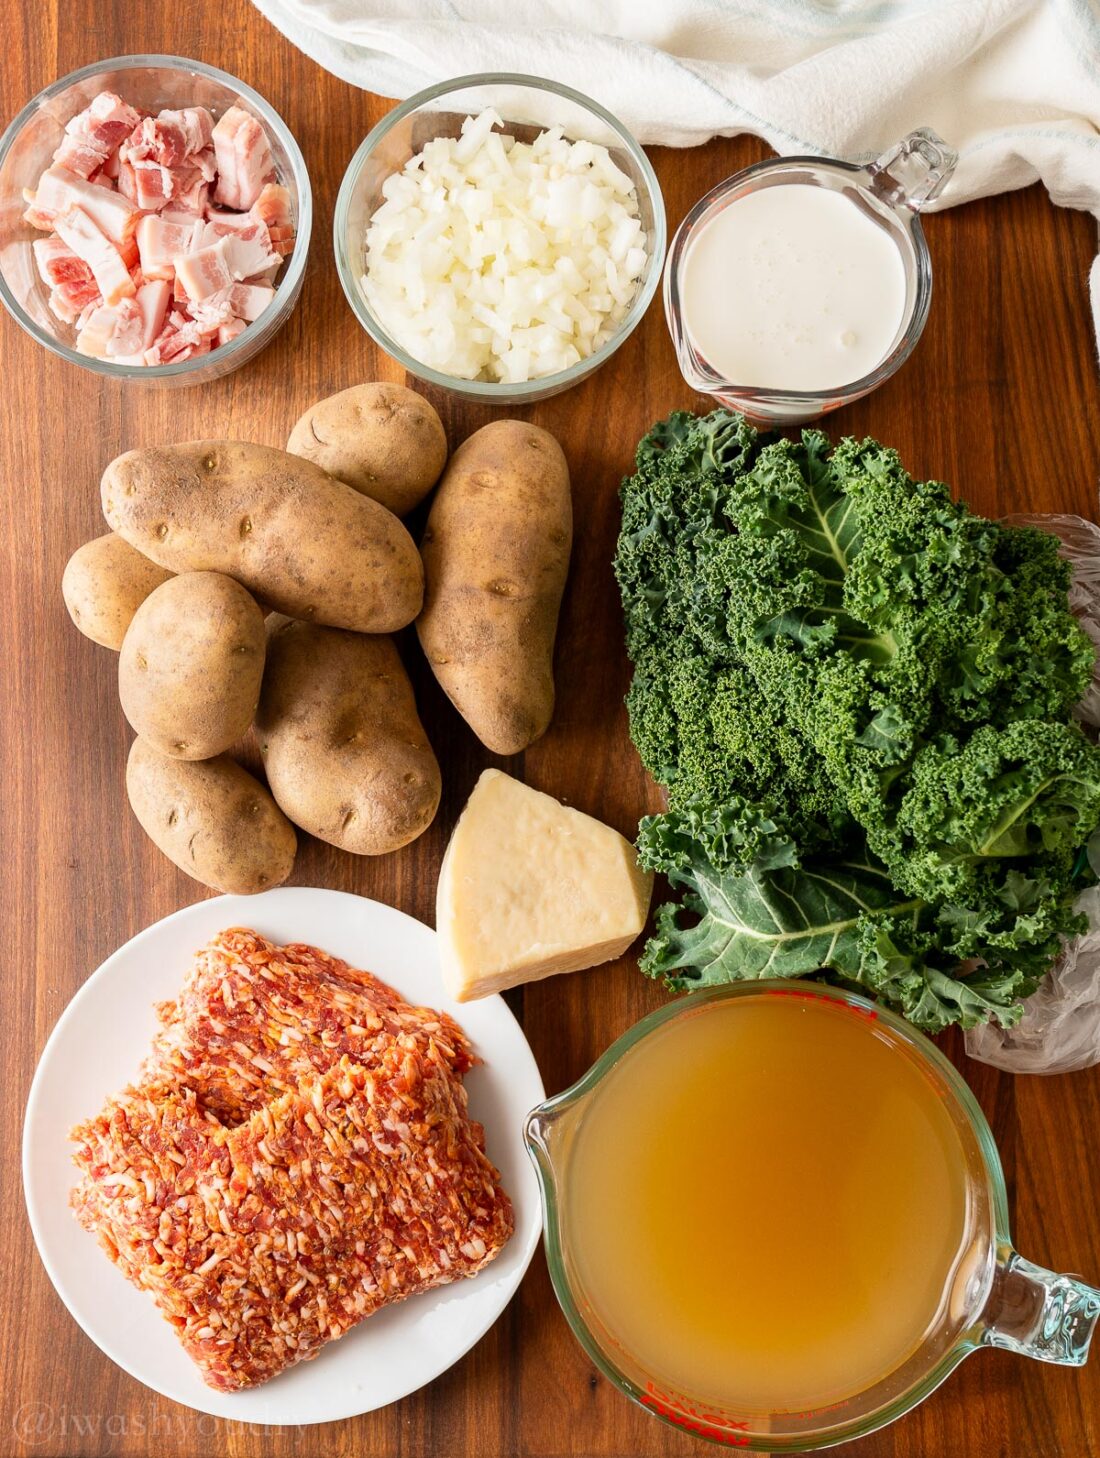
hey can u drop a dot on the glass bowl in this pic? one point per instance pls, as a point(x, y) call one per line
point(151, 83)
point(528, 105)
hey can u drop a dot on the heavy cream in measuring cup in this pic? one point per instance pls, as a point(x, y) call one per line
point(793, 287)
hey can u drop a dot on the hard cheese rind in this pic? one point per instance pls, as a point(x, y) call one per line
point(529, 888)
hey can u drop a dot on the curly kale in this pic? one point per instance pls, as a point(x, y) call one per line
point(857, 694)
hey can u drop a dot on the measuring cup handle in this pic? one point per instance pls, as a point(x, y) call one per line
point(1038, 1313)
point(913, 171)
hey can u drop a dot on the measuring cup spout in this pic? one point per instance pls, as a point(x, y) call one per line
point(1038, 1313)
point(546, 1133)
point(542, 1133)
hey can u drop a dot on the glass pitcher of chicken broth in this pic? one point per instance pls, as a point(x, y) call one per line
point(775, 1217)
point(798, 285)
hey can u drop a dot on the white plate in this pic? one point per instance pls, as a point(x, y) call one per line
point(96, 1048)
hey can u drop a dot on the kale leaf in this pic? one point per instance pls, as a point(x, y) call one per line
point(857, 694)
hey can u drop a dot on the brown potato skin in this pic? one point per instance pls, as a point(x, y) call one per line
point(304, 543)
point(496, 556)
point(383, 439)
point(104, 583)
point(191, 663)
point(212, 819)
point(344, 750)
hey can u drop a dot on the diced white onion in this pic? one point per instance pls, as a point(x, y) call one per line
point(502, 260)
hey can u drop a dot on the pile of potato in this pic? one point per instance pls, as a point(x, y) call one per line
point(244, 585)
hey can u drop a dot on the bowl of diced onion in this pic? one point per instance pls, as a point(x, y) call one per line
point(500, 236)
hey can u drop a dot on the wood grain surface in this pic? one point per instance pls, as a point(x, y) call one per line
point(1001, 399)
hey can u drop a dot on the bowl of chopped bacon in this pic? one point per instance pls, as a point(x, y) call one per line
point(154, 220)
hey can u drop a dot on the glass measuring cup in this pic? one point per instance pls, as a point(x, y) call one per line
point(890, 191)
point(993, 1297)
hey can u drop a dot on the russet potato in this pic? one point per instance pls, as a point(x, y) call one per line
point(302, 542)
point(496, 556)
point(104, 583)
point(383, 439)
point(190, 665)
point(212, 818)
point(344, 751)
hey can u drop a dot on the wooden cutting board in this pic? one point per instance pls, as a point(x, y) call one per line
point(1002, 398)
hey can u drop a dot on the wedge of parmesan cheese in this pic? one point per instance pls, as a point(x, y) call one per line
point(529, 888)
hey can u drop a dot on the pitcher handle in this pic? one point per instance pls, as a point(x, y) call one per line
point(1038, 1313)
point(913, 171)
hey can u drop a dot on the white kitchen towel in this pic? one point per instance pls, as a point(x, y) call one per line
point(1013, 85)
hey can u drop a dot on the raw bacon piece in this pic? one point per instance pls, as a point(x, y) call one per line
point(230, 330)
point(177, 341)
point(126, 341)
point(171, 346)
point(111, 330)
point(78, 154)
point(171, 137)
point(248, 255)
point(141, 142)
point(153, 184)
point(272, 208)
point(243, 155)
point(248, 301)
point(92, 137)
point(206, 270)
point(76, 229)
point(219, 224)
point(58, 264)
point(107, 119)
point(184, 134)
point(184, 187)
point(190, 190)
point(206, 162)
point(238, 301)
point(160, 243)
point(59, 190)
point(70, 301)
point(248, 250)
point(127, 182)
point(211, 314)
point(37, 217)
point(172, 157)
point(152, 299)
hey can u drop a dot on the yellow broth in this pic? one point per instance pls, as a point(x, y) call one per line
point(765, 1204)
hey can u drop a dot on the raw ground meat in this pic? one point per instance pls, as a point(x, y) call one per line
point(267, 1224)
point(252, 1019)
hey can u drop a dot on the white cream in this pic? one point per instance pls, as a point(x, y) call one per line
point(792, 287)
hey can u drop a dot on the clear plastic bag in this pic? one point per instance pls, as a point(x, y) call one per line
point(1060, 1028)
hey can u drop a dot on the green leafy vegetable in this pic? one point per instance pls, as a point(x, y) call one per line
point(858, 695)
